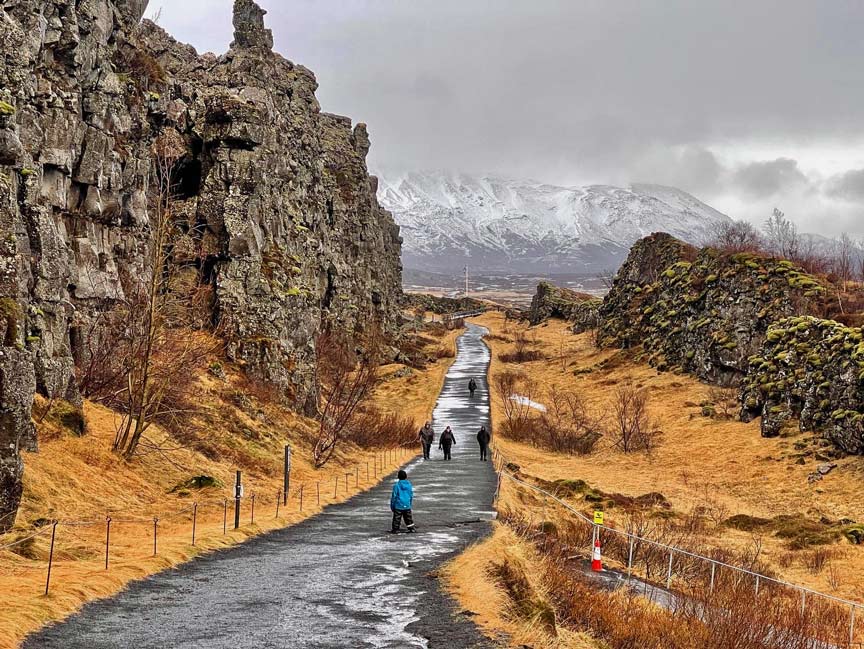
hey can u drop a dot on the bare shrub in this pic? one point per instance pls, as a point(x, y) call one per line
point(522, 352)
point(375, 429)
point(346, 380)
point(724, 401)
point(735, 237)
point(632, 428)
point(566, 426)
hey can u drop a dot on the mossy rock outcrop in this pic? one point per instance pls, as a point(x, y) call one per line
point(702, 311)
point(552, 301)
point(811, 370)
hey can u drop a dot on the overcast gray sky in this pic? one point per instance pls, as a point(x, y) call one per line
point(748, 104)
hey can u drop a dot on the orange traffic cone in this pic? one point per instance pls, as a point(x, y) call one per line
point(596, 561)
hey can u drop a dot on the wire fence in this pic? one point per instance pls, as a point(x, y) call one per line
point(679, 564)
point(201, 518)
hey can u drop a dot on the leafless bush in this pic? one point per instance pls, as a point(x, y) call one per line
point(724, 401)
point(346, 380)
point(632, 428)
point(375, 429)
point(522, 352)
point(566, 426)
point(735, 237)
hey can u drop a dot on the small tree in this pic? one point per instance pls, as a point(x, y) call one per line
point(735, 236)
point(346, 379)
point(781, 234)
point(632, 428)
point(844, 260)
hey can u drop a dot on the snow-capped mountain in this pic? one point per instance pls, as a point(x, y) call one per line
point(490, 223)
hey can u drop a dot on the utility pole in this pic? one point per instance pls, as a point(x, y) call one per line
point(466, 281)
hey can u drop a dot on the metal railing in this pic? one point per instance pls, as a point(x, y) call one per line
point(759, 580)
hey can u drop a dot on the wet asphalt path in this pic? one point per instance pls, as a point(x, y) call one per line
point(338, 579)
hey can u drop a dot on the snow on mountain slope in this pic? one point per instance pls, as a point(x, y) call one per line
point(449, 220)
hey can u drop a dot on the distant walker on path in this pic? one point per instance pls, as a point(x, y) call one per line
point(447, 440)
point(483, 439)
point(401, 501)
point(426, 437)
point(472, 386)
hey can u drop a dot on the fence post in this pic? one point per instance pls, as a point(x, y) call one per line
point(851, 624)
point(347, 475)
point(252, 519)
point(194, 520)
point(50, 556)
point(107, 538)
point(301, 497)
point(367, 472)
point(630, 559)
point(757, 585)
point(238, 486)
point(669, 575)
point(803, 601)
point(357, 477)
point(224, 515)
point(336, 488)
point(155, 524)
point(713, 568)
point(286, 475)
point(278, 502)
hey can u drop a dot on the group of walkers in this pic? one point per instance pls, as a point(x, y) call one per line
point(426, 436)
point(402, 496)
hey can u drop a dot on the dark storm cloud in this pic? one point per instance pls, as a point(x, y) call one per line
point(769, 178)
point(576, 90)
point(848, 186)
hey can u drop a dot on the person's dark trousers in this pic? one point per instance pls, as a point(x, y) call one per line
point(426, 450)
point(483, 452)
point(446, 448)
point(398, 516)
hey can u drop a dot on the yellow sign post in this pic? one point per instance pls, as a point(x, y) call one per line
point(598, 517)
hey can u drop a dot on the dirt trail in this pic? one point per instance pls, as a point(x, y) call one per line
point(337, 580)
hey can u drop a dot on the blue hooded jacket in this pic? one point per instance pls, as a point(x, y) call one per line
point(403, 496)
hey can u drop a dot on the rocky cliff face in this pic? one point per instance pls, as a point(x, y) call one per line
point(811, 370)
point(280, 218)
point(743, 319)
point(552, 301)
point(702, 311)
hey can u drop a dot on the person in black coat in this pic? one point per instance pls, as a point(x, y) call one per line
point(483, 439)
point(446, 440)
point(472, 385)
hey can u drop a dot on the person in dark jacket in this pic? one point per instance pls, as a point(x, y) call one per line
point(472, 385)
point(426, 437)
point(483, 439)
point(447, 440)
point(401, 501)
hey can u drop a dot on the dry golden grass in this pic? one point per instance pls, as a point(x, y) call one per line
point(80, 479)
point(727, 460)
point(469, 578)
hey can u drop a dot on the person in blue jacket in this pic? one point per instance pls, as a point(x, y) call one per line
point(400, 503)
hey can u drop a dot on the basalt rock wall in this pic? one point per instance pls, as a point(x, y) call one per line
point(278, 213)
point(702, 311)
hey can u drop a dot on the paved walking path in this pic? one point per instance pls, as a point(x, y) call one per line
point(337, 580)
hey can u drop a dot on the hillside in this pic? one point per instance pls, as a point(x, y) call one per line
point(710, 483)
point(449, 220)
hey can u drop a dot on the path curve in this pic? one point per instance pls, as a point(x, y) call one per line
point(336, 580)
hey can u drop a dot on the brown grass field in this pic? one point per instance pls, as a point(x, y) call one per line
point(699, 461)
point(79, 479)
